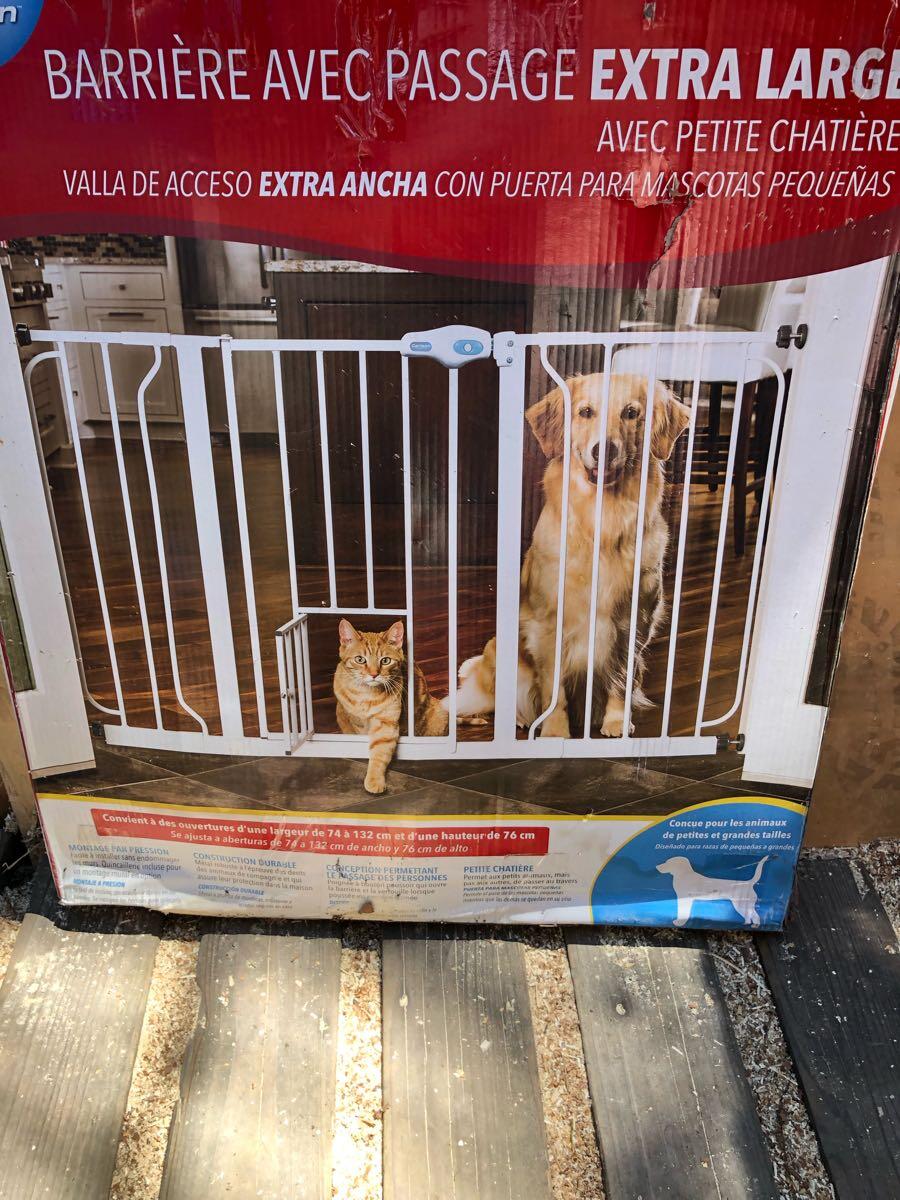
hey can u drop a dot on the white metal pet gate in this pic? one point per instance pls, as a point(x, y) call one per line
point(692, 357)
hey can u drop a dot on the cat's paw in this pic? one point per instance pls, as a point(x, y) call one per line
point(375, 784)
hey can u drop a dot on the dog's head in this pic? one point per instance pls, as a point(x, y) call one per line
point(672, 865)
point(624, 425)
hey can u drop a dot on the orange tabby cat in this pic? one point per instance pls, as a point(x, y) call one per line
point(370, 687)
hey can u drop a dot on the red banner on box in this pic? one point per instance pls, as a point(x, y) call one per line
point(327, 837)
point(565, 142)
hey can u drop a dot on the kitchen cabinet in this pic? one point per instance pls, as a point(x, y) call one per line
point(114, 297)
point(129, 364)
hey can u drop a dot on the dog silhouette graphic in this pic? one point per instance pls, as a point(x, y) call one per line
point(690, 887)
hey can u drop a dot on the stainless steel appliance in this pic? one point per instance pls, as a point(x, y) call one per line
point(223, 275)
point(27, 291)
point(225, 289)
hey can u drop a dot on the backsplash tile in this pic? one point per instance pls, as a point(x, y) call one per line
point(94, 245)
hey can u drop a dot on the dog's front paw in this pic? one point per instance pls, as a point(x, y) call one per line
point(613, 726)
point(374, 783)
point(556, 725)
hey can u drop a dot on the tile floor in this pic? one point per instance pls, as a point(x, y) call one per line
point(579, 786)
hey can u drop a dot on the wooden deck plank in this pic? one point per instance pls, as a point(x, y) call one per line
point(463, 1115)
point(835, 978)
point(256, 1110)
point(71, 1010)
point(673, 1110)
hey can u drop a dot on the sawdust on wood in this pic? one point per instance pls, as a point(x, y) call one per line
point(572, 1150)
point(356, 1169)
point(786, 1127)
point(880, 860)
point(13, 904)
point(172, 1005)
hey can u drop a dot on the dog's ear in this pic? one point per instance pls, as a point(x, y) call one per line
point(670, 419)
point(547, 421)
point(347, 633)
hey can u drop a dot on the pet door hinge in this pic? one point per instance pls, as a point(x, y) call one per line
point(504, 349)
point(786, 335)
point(23, 334)
point(724, 743)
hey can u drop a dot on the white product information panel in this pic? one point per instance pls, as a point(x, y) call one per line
point(725, 863)
point(275, 864)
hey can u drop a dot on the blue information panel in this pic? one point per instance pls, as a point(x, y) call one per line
point(712, 866)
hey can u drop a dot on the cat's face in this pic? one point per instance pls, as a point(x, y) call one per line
point(373, 659)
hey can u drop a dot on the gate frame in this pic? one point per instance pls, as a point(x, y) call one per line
point(783, 733)
point(51, 713)
point(510, 352)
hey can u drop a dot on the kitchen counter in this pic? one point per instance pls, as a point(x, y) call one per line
point(78, 261)
point(343, 266)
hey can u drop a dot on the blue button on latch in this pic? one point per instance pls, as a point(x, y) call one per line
point(420, 347)
point(468, 346)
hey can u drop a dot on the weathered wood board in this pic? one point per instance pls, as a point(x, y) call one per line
point(674, 1113)
point(463, 1115)
point(835, 977)
point(71, 1010)
point(256, 1111)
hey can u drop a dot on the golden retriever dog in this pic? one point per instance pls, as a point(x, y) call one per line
point(620, 476)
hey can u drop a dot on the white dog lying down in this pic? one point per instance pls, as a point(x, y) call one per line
point(690, 887)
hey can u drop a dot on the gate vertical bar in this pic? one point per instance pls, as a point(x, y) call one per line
point(129, 529)
point(407, 547)
point(761, 524)
point(596, 545)
point(281, 655)
point(47, 356)
point(639, 546)
point(307, 675)
point(303, 684)
point(452, 544)
point(160, 541)
point(285, 480)
point(510, 358)
point(682, 542)
point(326, 476)
point(720, 545)
point(209, 533)
point(92, 536)
point(237, 470)
point(366, 476)
point(563, 386)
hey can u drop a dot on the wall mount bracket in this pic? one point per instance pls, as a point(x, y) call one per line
point(787, 336)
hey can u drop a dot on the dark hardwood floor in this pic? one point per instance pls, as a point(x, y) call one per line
point(476, 590)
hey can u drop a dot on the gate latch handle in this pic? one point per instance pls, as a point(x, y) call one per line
point(452, 345)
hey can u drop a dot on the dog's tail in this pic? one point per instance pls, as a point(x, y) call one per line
point(477, 678)
point(759, 870)
point(475, 694)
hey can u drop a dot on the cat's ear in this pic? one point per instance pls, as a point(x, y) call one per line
point(395, 634)
point(347, 633)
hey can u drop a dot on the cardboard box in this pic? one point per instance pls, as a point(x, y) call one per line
point(528, 366)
